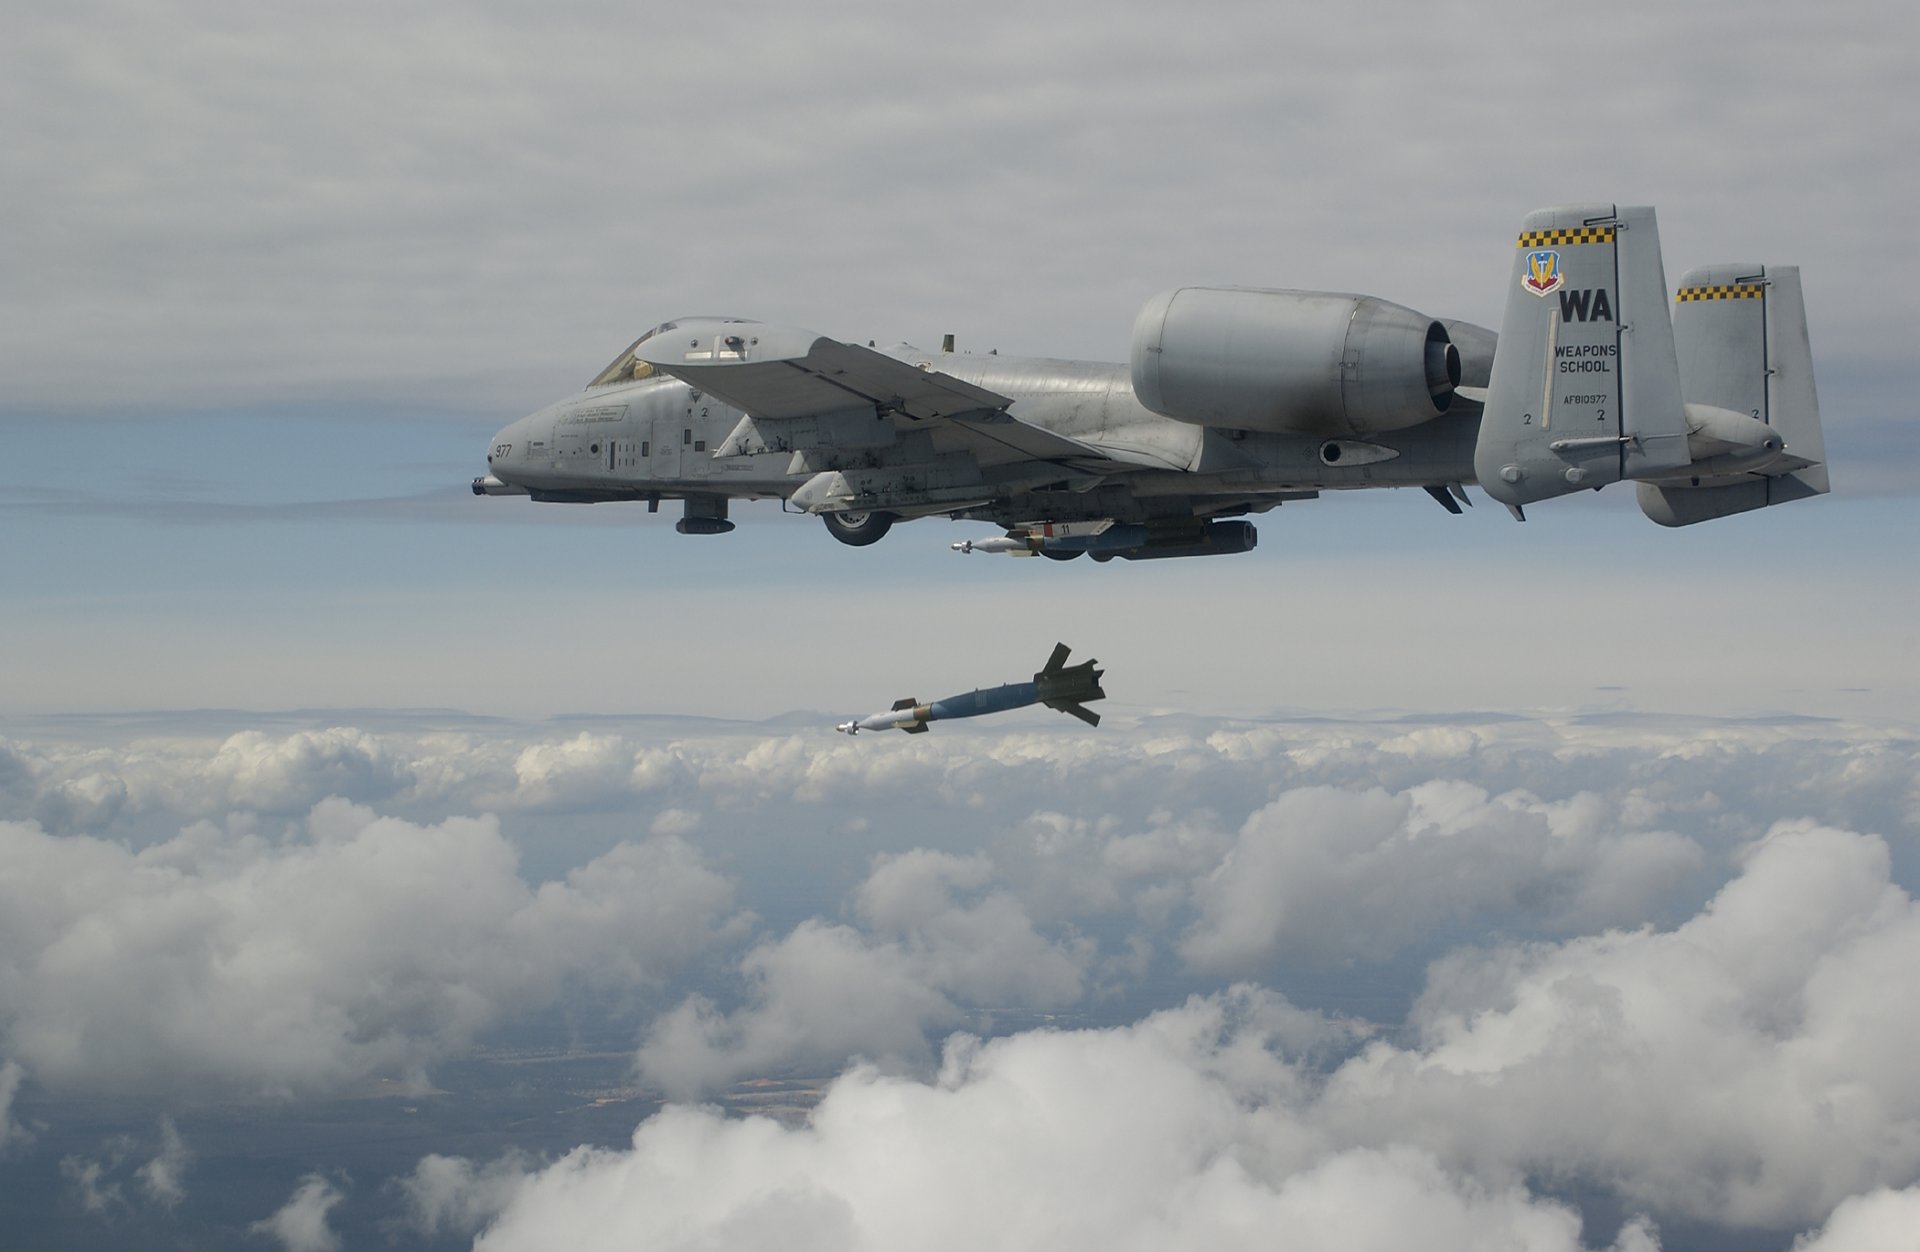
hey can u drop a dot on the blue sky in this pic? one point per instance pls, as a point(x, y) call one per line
point(275, 559)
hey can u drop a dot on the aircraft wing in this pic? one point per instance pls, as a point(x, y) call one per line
point(781, 373)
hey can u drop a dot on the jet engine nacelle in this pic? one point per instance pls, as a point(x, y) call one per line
point(1299, 362)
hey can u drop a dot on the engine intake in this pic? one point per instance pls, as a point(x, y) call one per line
point(1299, 362)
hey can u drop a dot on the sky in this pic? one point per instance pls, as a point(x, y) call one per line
point(1546, 882)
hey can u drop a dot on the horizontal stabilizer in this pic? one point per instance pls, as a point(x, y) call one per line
point(1685, 505)
point(1741, 333)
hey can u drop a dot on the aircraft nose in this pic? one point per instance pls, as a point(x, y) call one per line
point(507, 447)
point(511, 442)
point(501, 446)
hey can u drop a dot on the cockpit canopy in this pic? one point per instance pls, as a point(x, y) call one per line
point(625, 369)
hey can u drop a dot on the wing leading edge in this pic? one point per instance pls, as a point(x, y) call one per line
point(783, 372)
point(787, 375)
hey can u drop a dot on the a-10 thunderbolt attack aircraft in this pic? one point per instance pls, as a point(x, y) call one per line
point(1233, 401)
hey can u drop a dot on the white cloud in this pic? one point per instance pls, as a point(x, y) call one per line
point(1879, 1221)
point(1068, 866)
point(967, 934)
point(301, 1223)
point(83, 788)
point(1165, 789)
point(272, 774)
point(1331, 875)
point(449, 1194)
point(680, 822)
point(407, 249)
point(1749, 1067)
point(1672, 1002)
point(1164, 1134)
point(363, 947)
point(819, 995)
point(97, 1180)
point(12, 1133)
point(937, 937)
point(89, 1179)
point(586, 771)
point(161, 1177)
point(1242, 848)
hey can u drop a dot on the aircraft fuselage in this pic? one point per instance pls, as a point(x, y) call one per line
point(657, 437)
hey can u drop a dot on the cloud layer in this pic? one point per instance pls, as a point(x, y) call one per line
point(1743, 1068)
point(451, 198)
point(1171, 1133)
point(1189, 979)
point(931, 937)
point(1746, 1069)
point(225, 961)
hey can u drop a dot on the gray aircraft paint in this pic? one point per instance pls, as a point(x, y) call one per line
point(1587, 390)
point(1257, 397)
point(1741, 334)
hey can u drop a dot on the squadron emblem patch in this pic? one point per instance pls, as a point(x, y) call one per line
point(1543, 276)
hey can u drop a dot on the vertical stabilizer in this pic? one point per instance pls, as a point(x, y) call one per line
point(1741, 332)
point(1585, 388)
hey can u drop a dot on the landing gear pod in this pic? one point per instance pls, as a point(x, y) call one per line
point(705, 515)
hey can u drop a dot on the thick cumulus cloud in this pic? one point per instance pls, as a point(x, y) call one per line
point(1876, 1222)
point(1176, 1132)
point(935, 933)
point(1751, 1066)
point(1322, 876)
point(1332, 875)
point(1069, 867)
point(587, 771)
point(84, 788)
point(1639, 981)
point(221, 961)
point(1747, 1068)
point(253, 770)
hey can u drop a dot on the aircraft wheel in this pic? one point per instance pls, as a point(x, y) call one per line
point(858, 529)
point(1103, 557)
point(1060, 556)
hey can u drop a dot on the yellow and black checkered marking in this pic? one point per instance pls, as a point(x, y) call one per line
point(1578, 234)
point(1732, 291)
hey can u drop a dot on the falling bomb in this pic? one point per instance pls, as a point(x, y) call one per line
point(1058, 685)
